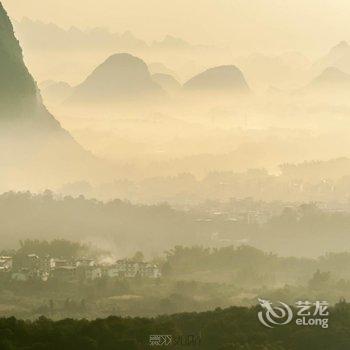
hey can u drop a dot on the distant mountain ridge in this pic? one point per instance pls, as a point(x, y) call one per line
point(119, 78)
point(37, 34)
point(332, 76)
point(222, 78)
point(331, 81)
point(338, 57)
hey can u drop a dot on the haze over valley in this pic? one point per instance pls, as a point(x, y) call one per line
point(150, 168)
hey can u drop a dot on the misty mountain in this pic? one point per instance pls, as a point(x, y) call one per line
point(167, 82)
point(55, 52)
point(222, 78)
point(338, 57)
point(120, 78)
point(20, 100)
point(55, 91)
point(36, 34)
point(33, 145)
point(332, 78)
point(331, 82)
point(172, 43)
point(158, 67)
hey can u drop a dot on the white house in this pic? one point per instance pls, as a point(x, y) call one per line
point(6, 263)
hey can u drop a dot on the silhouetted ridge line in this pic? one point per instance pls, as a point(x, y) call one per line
point(221, 78)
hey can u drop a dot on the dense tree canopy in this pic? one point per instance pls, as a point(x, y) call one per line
point(228, 329)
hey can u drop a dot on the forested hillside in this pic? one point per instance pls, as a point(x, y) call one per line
point(229, 329)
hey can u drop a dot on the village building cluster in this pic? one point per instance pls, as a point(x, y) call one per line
point(33, 267)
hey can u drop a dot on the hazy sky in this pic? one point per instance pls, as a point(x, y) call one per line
point(247, 25)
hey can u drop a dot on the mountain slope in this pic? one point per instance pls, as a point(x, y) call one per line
point(167, 82)
point(19, 97)
point(120, 78)
point(331, 82)
point(338, 57)
point(55, 92)
point(34, 149)
point(332, 77)
point(222, 78)
point(16, 82)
